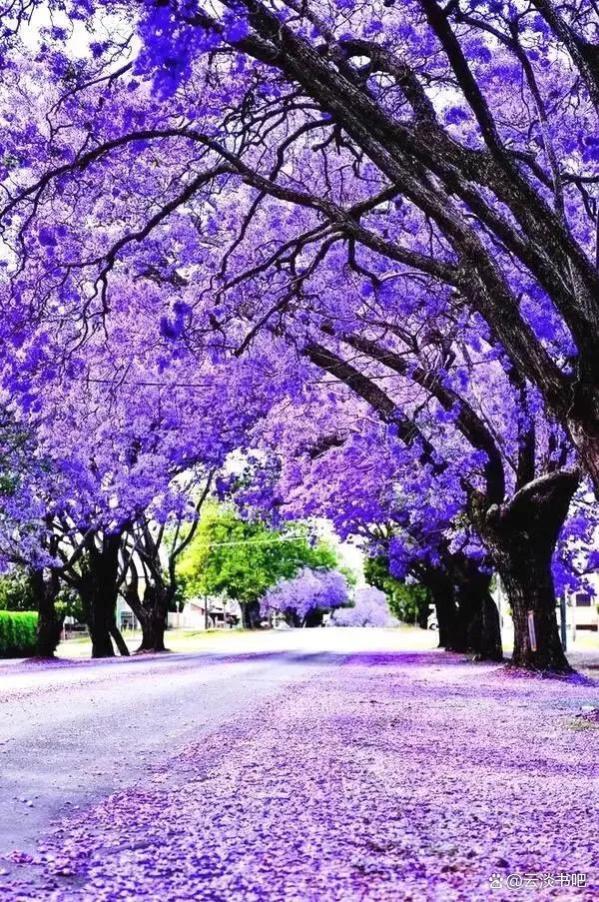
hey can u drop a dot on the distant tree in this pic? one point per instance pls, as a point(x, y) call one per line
point(370, 608)
point(307, 597)
point(243, 559)
point(409, 602)
point(152, 551)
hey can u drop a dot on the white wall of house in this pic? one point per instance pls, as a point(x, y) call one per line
point(582, 615)
point(125, 618)
point(206, 613)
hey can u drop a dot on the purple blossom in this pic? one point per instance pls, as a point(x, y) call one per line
point(369, 608)
point(308, 592)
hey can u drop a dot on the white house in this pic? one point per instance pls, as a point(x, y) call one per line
point(206, 614)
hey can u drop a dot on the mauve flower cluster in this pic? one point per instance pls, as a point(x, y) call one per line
point(310, 590)
point(369, 609)
point(391, 777)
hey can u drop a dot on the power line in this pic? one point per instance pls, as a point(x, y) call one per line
point(250, 542)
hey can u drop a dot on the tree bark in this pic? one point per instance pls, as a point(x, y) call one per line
point(537, 645)
point(49, 624)
point(100, 618)
point(119, 640)
point(153, 621)
point(489, 646)
point(441, 589)
point(313, 619)
point(447, 621)
point(250, 614)
point(98, 588)
point(292, 619)
point(153, 628)
point(477, 612)
point(521, 538)
point(152, 615)
point(467, 616)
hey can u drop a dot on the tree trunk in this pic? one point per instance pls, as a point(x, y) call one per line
point(153, 627)
point(153, 623)
point(119, 641)
point(447, 621)
point(521, 537)
point(100, 619)
point(313, 619)
point(489, 646)
point(537, 645)
point(151, 613)
point(102, 646)
point(442, 593)
point(423, 612)
point(477, 612)
point(98, 588)
point(49, 623)
point(291, 618)
point(467, 617)
point(250, 614)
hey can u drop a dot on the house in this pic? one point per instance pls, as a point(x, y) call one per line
point(583, 614)
point(125, 618)
point(207, 613)
point(576, 612)
point(198, 614)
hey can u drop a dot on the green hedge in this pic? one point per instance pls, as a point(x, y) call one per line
point(17, 633)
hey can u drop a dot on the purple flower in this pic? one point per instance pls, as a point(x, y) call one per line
point(46, 237)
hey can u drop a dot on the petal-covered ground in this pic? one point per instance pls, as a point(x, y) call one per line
point(389, 777)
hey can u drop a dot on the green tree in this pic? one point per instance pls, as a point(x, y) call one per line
point(409, 602)
point(242, 559)
point(15, 592)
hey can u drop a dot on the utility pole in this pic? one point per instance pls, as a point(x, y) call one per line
point(562, 621)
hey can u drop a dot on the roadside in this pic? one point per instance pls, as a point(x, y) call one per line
point(389, 774)
point(177, 640)
point(584, 648)
point(190, 641)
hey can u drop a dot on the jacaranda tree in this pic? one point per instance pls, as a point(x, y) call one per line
point(259, 163)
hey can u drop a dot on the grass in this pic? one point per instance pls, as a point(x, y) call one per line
point(583, 654)
point(177, 640)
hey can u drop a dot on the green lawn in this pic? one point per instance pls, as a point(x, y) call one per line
point(179, 640)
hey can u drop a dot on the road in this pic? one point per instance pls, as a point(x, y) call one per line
point(73, 732)
point(338, 765)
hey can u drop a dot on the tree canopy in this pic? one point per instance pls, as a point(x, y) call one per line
point(243, 559)
point(354, 243)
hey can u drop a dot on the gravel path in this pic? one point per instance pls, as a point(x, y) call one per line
point(379, 777)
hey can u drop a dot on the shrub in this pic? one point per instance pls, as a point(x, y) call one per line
point(17, 634)
point(15, 592)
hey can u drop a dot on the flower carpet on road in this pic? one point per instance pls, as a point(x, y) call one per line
point(390, 777)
